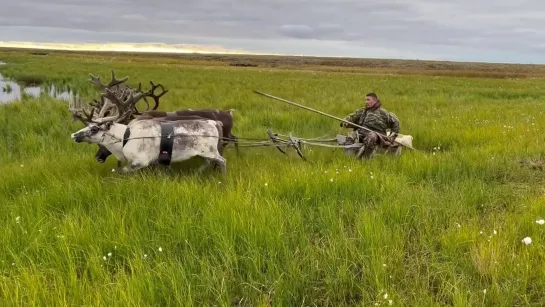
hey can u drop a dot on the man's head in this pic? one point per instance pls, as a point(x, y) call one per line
point(371, 100)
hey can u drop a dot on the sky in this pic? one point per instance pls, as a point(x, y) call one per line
point(457, 30)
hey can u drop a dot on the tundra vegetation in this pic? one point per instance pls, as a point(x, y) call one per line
point(458, 222)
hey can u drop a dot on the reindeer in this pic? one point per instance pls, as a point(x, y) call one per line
point(105, 106)
point(192, 137)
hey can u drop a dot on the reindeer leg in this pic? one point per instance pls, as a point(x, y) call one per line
point(234, 139)
point(204, 166)
point(220, 162)
point(132, 168)
point(217, 159)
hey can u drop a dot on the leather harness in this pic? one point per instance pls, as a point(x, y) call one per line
point(166, 145)
point(167, 142)
point(126, 136)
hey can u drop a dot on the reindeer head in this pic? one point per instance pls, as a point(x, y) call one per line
point(94, 133)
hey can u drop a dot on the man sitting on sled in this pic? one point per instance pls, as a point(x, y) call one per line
point(377, 119)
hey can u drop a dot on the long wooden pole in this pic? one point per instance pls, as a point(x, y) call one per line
point(325, 114)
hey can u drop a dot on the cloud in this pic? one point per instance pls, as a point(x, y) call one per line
point(485, 30)
point(297, 31)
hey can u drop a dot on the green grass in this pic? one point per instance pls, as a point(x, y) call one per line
point(276, 230)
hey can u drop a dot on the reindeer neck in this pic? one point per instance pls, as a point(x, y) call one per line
point(114, 140)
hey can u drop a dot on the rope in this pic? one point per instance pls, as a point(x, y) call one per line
point(261, 143)
point(193, 135)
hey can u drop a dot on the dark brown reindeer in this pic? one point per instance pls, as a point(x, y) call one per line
point(224, 116)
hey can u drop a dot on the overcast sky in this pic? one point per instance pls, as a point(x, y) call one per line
point(468, 30)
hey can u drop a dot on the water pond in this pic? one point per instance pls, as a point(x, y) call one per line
point(11, 91)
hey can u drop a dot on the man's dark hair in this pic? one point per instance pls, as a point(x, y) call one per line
point(372, 95)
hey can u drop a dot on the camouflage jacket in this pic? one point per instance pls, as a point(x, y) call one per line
point(376, 119)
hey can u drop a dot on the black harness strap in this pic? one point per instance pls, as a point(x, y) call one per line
point(126, 136)
point(167, 142)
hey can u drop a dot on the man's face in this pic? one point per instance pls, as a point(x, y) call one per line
point(370, 101)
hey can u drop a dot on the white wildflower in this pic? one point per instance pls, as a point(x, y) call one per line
point(160, 249)
point(17, 219)
point(458, 224)
point(331, 179)
point(484, 291)
point(385, 295)
point(104, 258)
point(266, 184)
point(113, 170)
point(540, 222)
point(527, 240)
point(145, 256)
point(350, 170)
point(110, 254)
point(390, 302)
point(495, 232)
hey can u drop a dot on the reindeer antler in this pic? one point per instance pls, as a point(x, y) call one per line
point(119, 102)
point(77, 116)
point(156, 97)
point(152, 95)
point(113, 82)
point(139, 90)
point(124, 102)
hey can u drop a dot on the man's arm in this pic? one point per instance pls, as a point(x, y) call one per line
point(393, 122)
point(352, 117)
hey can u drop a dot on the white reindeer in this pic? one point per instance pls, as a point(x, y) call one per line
point(190, 137)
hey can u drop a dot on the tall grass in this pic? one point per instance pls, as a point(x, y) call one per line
point(441, 226)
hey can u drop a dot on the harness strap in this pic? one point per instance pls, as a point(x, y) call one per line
point(126, 136)
point(167, 142)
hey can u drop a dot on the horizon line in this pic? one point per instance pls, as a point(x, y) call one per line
point(185, 48)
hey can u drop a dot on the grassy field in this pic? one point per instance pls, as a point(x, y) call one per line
point(440, 226)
